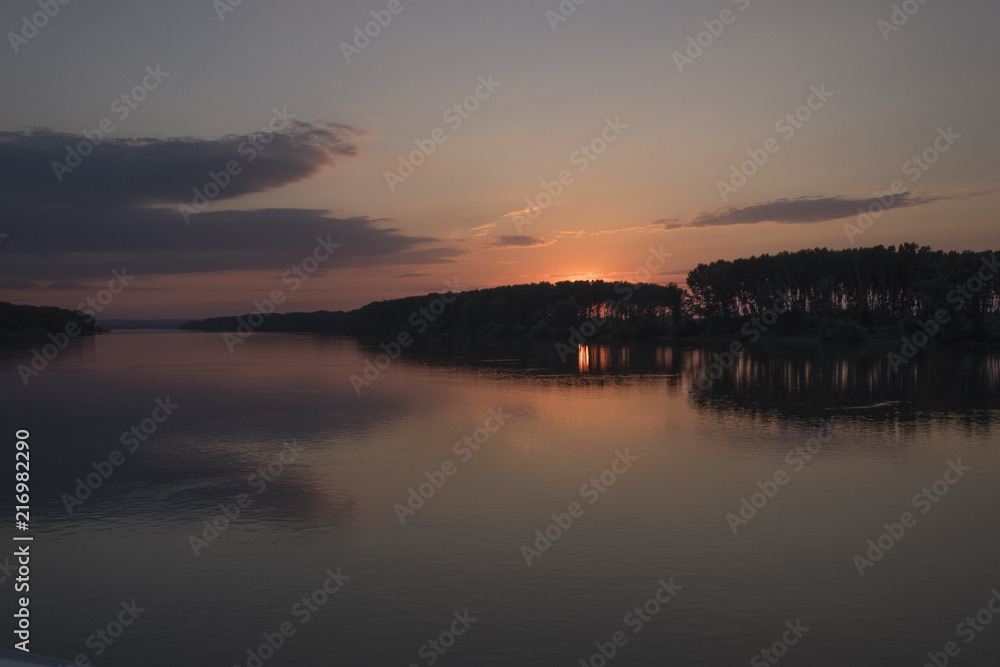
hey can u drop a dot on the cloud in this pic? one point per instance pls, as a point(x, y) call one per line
point(413, 275)
point(119, 207)
point(151, 170)
point(803, 210)
point(514, 214)
point(66, 285)
point(157, 241)
point(651, 228)
point(520, 242)
point(482, 230)
point(17, 284)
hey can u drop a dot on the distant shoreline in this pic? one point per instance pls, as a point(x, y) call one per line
point(841, 297)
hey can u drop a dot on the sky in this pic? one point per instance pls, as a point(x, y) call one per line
point(216, 153)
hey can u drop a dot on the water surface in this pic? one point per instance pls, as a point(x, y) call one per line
point(696, 456)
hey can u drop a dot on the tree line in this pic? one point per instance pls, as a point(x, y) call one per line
point(854, 290)
point(831, 294)
point(18, 320)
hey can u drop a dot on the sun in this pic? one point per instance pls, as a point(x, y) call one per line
point(584, 275)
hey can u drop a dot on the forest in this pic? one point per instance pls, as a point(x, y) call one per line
point(829, 295)
point(16, 320)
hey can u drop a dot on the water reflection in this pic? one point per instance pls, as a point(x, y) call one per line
point(602, 358)
point(791, 381)
point(781, 378)
point(699, 453)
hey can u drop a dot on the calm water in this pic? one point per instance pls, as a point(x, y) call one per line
point(694, 457)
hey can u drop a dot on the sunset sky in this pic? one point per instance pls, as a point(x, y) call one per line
point(607, 77)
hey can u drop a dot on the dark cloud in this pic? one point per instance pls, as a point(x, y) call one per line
point(66, 285)
point(16, 284)
point(803, 210)
point(120, 207)
point(413, 275)
point(149, 171)
point(157, 241)
point(519, 242)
